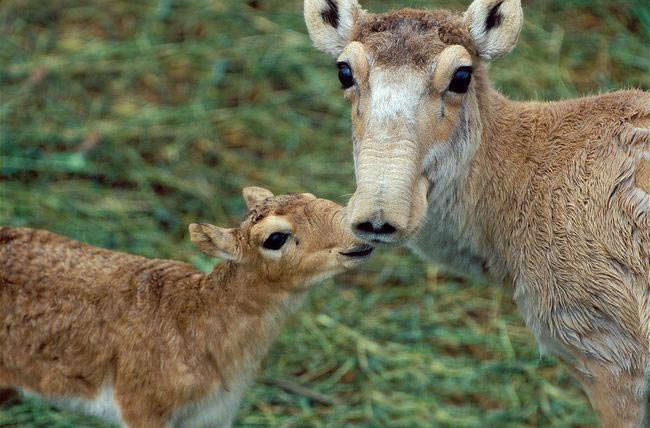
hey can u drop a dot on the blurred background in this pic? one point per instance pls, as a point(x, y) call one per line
point(123, 121)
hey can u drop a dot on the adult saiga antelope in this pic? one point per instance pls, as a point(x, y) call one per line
point(553, 198)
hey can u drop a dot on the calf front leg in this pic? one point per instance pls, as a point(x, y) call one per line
point(7, 395)
point(132, 418)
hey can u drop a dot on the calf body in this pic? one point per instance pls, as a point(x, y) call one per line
point(152, 343)
point(129, 338)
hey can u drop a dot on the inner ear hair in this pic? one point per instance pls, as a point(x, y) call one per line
point(494, 18)
point(214, 241)
point(331, 13)
point(331, 23)
point(494, 26)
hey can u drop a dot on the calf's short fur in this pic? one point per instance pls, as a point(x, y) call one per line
point(154, 343)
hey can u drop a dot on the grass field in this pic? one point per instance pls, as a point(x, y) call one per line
point(122, 122)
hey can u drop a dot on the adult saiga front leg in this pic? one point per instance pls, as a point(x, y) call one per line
point(617, 394)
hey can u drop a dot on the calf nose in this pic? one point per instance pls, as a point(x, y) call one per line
point(382, 229)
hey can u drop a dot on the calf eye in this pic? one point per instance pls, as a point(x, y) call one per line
point(275, 241)
point(460, 81)
point(345, 74)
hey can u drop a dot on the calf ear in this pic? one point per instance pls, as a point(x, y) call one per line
point(215, 241)
point(494, 25)
point(255, 195)
point(331, 22)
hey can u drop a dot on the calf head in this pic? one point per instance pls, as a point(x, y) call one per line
point(293, 239)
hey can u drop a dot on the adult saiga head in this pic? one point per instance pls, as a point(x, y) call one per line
point(413, 78)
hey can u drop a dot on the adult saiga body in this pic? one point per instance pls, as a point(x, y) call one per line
point(553, 198)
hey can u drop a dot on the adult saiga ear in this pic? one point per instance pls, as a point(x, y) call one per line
point(215, 241)
point(494, 25)
point(331, 22)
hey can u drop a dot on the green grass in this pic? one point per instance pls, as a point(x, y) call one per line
point(122, 122)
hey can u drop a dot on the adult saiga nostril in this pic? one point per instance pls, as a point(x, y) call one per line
point(368, 227)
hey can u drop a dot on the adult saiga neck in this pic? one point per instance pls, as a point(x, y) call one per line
point(467, 191)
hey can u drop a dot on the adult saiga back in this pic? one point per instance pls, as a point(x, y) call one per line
point(553, 198)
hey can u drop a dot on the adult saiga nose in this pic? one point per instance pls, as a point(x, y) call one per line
point(369, 227)
point(376, 229)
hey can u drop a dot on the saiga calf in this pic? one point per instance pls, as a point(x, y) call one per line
point(154, 343)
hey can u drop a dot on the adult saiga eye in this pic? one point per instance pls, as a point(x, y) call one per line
point(275, 241)
point(345, 74)
point(461, 80)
